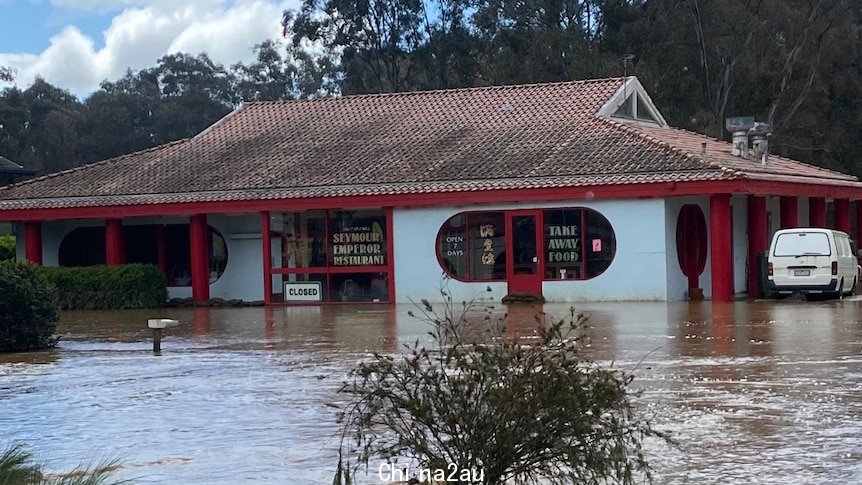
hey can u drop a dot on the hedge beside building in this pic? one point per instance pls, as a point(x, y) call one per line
point(109, 287)
point(7, 247)
point(28, 309)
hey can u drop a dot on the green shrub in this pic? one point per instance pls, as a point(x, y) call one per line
point(28, 308)
point(494, 407)
point(109, 287)
point(7, 247)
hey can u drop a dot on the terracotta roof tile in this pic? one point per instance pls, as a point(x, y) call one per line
point(542, 135)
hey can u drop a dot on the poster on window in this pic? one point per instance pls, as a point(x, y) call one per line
point(359, 246)
point(564, 243)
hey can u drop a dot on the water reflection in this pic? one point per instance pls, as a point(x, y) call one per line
point(763, 392)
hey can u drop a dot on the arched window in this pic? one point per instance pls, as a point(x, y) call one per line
point(578, 243)
point(85, 246)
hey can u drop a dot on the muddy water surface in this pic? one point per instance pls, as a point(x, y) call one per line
point(762, 392)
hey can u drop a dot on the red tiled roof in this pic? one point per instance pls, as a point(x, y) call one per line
point(718, 153)
point(542, 135)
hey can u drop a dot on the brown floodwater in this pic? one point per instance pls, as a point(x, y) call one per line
point(754, 392)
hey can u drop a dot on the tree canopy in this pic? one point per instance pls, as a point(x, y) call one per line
point(48, 128)
point(795, 63)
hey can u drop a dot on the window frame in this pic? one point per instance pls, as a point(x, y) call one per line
point(468, 243)
point(328, 269)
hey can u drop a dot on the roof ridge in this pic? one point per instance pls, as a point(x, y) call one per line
point(445, 90)
point(92, 164)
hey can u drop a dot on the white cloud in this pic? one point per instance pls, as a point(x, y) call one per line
point(139, 35)
point(108, 5)
point(229, 37)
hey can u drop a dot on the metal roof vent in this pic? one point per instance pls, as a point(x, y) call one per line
point(760, 134)
point(743, 127)
point(739, 127)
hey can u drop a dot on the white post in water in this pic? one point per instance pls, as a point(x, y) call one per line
point(157, 324)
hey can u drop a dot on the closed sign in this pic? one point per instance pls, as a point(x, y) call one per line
point(305, 291)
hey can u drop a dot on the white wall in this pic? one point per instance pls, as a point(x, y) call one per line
point(739, 208)
point(677, 283)
point(773, 210)
point(638, 271)
point(242, 277)
point(803, 214)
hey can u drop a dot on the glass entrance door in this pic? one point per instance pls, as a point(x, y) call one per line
point(524, 265)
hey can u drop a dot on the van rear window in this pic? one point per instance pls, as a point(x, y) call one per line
point(802, 243)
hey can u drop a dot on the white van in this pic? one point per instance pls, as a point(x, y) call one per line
point(812, 261)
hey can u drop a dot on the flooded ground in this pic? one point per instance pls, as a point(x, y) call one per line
point(762, 392)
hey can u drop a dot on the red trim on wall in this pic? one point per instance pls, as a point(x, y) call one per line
point(789, 216)
point(757, 241)
point(199, 257)
point(33, 242)
point(266, 240)
point(817, 212)
point(842, 215)
point(616, 191)
point(720, 244)
point(115, 248)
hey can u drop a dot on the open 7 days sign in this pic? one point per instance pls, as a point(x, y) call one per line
point(304, 291)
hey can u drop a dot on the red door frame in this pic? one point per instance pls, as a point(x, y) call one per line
point(525, 283)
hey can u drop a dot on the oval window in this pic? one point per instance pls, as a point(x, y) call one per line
point(691, 243)
point(578, 244)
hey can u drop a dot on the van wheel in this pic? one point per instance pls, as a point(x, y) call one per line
point(841, 289)
point(853, 289)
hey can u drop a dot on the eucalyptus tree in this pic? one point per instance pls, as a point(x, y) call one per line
point(270, 77)
point(388, 46)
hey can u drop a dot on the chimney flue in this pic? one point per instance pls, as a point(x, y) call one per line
point(740, 144)
point(739, 126)
point(760, 133)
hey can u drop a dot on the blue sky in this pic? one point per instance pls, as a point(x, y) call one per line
point(28, 24)
point(75, 44)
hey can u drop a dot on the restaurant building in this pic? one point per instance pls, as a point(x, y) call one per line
point(574, 191)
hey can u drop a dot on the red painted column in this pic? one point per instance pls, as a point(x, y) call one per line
point(33, 242)
point(199, 257)
point(757, 241)
point(789, 212)
point(162, 249)
point(267, 257)
point(816, 212)
point(720, 248)
point(842, 215)
point(115, 250)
